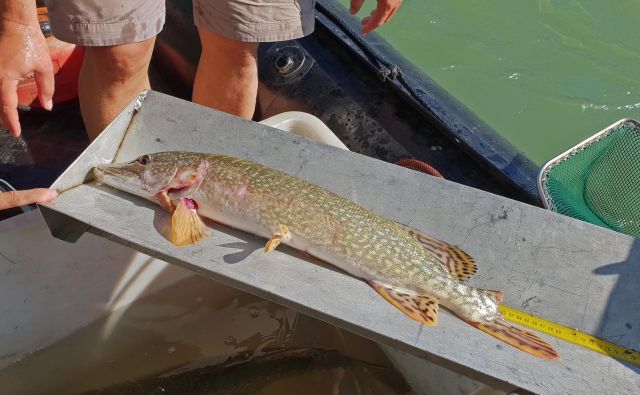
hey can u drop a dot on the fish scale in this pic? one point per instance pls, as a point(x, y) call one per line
point(413, 271)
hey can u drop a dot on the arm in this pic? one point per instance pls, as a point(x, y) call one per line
point(23, 53)
point(382, 14)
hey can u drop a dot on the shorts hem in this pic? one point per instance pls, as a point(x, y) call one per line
point(101, 34)
point(262, 32)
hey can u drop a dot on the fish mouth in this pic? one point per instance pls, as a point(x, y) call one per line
point(122, 178)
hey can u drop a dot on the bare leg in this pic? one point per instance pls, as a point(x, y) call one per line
point(227, 76)
point(109, 79)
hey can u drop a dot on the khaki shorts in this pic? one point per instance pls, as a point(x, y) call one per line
point(114, 22)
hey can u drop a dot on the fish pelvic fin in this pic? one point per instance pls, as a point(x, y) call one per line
point(275, 241)
point(186, 225)
point(518, 338)
point(457, 262)
point(422, 308)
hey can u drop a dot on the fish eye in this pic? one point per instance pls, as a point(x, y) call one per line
point(144, 160)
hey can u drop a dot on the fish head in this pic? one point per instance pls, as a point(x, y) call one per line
point(152, 175)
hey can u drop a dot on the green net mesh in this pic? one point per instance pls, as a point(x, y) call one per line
point(600, 183)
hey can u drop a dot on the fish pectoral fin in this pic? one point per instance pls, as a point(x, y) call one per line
point(186, 225)
point(451, 257)
point(518, 338)
point(422, 308)
point(277, 239)
point(272, 244)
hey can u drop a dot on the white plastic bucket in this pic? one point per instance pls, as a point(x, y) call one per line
point(305, 125)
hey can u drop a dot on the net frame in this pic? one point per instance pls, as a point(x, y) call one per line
point(543, 190)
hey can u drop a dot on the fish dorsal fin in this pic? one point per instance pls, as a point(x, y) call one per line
point(422, 308)
point(518, 338)
point(186, 225)
point(451, 257)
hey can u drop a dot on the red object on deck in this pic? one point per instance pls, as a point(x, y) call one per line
point(66, 59)
point(420, 166)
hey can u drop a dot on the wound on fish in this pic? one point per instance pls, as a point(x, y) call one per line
point(190, 203)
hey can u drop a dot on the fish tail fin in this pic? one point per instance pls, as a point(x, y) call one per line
point(518, 338)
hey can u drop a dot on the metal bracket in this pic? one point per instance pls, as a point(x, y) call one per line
point(62, 226)
point(137, 105)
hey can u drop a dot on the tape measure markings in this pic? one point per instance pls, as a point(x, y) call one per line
point(571, 335)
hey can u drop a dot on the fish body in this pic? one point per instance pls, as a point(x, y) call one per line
point(411, 270)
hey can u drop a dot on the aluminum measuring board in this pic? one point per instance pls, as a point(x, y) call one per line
point(548, 265)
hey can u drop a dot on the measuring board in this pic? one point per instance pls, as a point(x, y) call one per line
point(563, 269)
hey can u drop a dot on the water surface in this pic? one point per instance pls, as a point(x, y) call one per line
point(545, 74)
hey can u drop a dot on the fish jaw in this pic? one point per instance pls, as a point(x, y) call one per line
point(124, 177)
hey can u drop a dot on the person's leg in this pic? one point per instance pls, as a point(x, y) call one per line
point(118, 37)
point(110, 78)
point(227, 75)
point(230, 32)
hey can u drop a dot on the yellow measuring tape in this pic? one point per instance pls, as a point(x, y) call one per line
point(571, 335)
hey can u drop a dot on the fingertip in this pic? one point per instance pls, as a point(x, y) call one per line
point(355, 6)
point(46, 88)
point(15, 128)
point(9, 106)
point(9, 127)
point(365, 23)
point(50, 194)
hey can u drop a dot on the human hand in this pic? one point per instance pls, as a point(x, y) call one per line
point(13, 199)
point(382, 14)
point(24, 53)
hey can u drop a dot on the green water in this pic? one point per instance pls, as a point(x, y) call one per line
point(545, 74)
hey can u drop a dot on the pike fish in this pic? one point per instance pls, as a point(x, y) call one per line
point(413, 271)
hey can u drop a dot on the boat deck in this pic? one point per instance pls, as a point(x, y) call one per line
point(548, 265)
